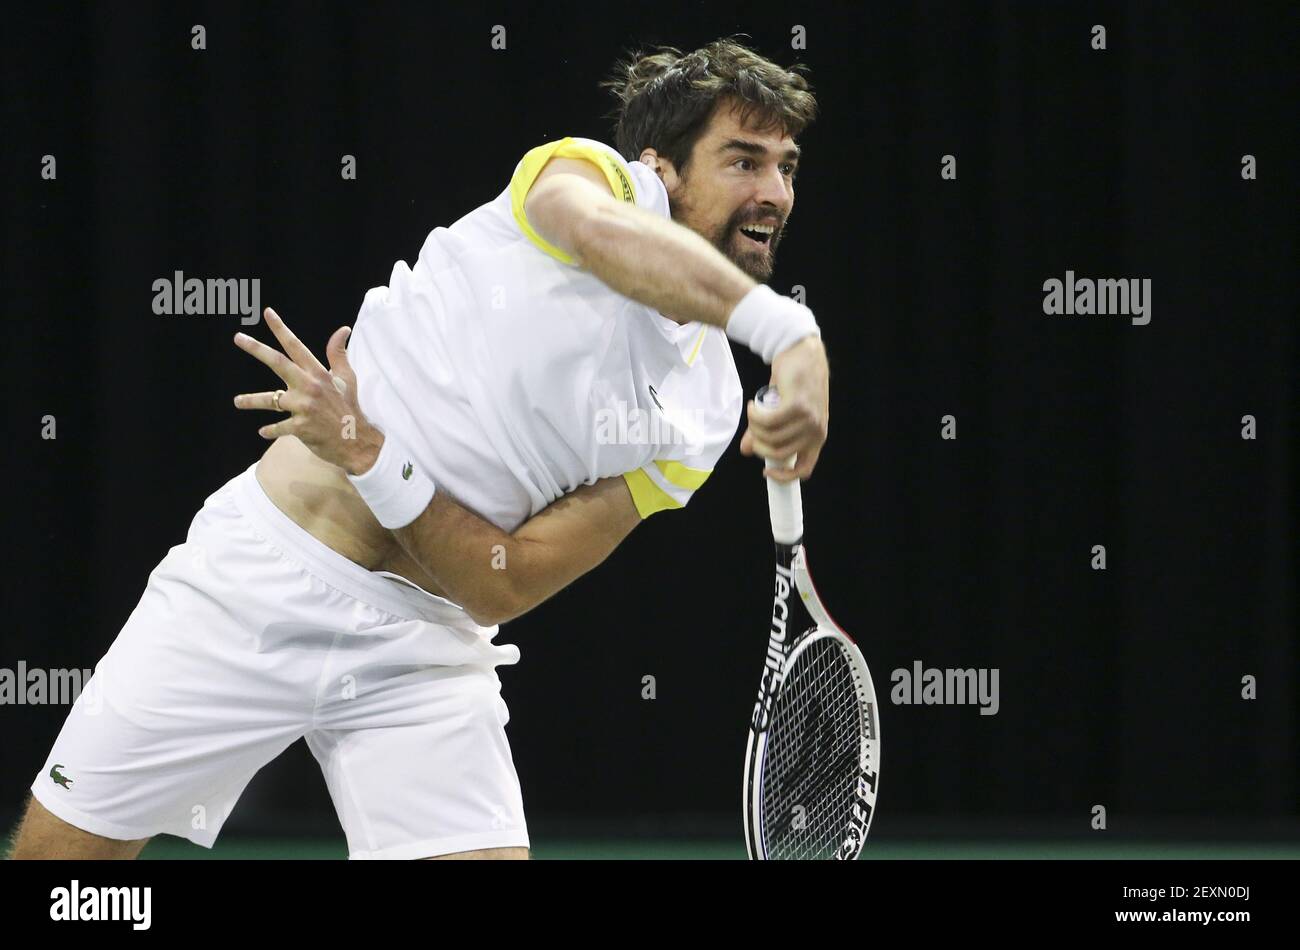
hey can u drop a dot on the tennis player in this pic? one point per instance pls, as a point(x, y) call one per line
point(555, 368)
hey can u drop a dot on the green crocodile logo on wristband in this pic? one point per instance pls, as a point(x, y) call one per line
point(407, 469)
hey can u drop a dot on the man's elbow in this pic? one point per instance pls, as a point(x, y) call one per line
point(483, 612)
point(495, 607)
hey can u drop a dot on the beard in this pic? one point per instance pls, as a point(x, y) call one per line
point(755, 260)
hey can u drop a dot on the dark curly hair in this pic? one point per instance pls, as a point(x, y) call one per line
point(665, 97)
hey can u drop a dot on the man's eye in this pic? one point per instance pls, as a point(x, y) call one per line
point(744, 161)
point(788, 169)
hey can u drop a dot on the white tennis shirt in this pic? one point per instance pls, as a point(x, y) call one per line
point(514, 377)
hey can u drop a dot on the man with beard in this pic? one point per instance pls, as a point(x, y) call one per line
point(453, 468)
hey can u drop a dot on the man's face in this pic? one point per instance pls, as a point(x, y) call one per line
point(738, 185)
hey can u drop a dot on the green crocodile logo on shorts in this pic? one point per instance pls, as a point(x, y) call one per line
point(59, 777)
point(407, 469)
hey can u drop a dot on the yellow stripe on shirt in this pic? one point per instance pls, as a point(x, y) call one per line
point(646, 495)
point(649, 497)
point(695, 350)
point(620, 183)
point(681, 476)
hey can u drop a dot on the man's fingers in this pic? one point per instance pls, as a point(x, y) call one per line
point(277, 429)
point(787, 444)
point(808, 462)
point(805, 449)
point(278, 363)
point(780, 423)
point(794, 433)
point(294, 347)
point(340, 369)
point(804, 465)
point(265, 401)
point(336, 352)
point(781, 474)
point(776, 450)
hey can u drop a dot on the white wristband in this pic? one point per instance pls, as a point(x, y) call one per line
point(769, 324)
point(394, 487)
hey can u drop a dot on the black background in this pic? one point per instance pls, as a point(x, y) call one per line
point(1118, 687)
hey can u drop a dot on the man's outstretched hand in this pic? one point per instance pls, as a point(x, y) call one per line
point(799, 424)
point(322, 403)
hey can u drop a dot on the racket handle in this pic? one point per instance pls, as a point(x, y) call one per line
point(784, 499)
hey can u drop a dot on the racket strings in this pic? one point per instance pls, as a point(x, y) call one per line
point(812, 756)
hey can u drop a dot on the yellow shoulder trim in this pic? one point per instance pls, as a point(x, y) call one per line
point(649, 496)
point(620, 183)
point(683, 477)
point(646, 495)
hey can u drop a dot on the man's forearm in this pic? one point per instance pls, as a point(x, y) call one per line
point(497, 575)
point(660, 263)
point(456, 547)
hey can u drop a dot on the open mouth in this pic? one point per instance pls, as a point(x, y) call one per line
point(760, 234)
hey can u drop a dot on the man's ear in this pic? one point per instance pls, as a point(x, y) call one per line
point(650, 158)
point(660, 166)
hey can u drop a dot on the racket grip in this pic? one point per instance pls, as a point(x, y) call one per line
point(784, 499)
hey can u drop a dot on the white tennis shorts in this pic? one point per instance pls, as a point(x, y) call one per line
point(251, 634)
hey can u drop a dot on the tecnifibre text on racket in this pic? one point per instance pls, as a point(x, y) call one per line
point(812, 763)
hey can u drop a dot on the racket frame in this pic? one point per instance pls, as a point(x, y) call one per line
point(792, 574)
point(869, 752)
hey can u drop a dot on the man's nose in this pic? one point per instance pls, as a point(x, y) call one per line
point(773, 190)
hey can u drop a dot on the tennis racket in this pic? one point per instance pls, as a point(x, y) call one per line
point(812, 764)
